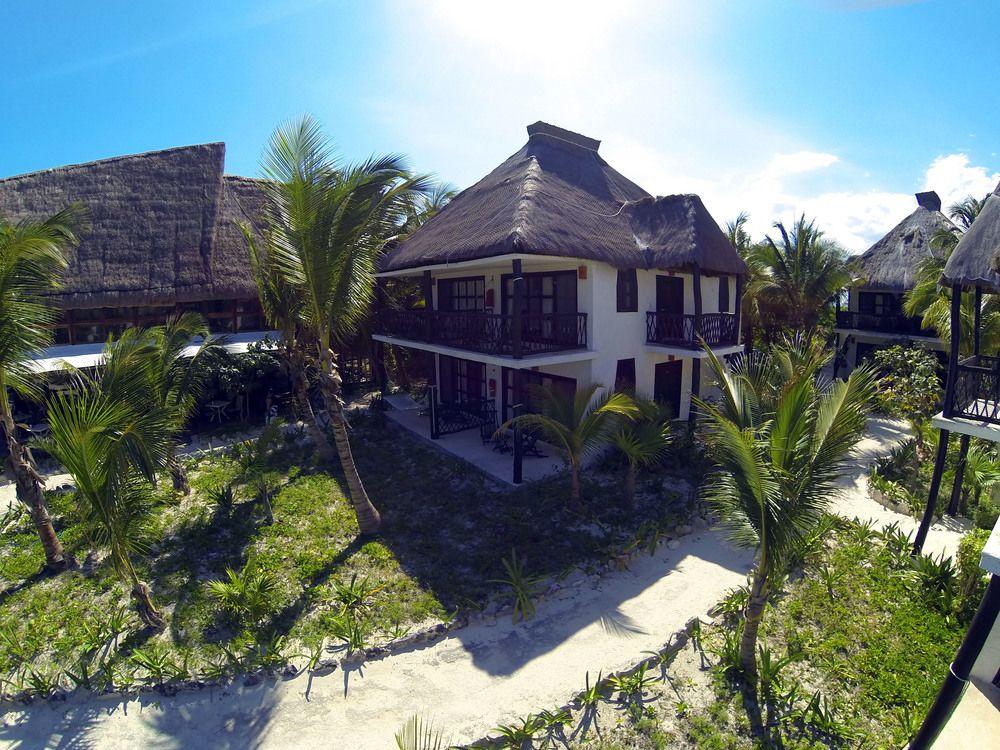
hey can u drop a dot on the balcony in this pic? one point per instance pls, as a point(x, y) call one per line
point(674, 329)
point(976, 393)
point(487, 333)
point(889, 323)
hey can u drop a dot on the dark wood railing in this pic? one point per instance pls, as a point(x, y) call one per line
point(976, 391)
point(487, 333)
point(889, 323)
point(674, 329)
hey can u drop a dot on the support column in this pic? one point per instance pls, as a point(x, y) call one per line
point(977, 321)
point(956, 487)
point(738, 310)
point(956, 339)
point(518, 447)
point(695, 361)
point(932, 495)
point(516, 311)
point(960, 669)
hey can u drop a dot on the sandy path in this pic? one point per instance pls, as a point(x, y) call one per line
point(470, 682)
point(883, 434)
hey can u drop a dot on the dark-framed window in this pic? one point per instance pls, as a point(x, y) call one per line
point(724, 294)
point(625, 376)
point(466, 294)
point(561, 384)
point(628, 290)
point(544, 292)
point(462, 381)
point(878, 303)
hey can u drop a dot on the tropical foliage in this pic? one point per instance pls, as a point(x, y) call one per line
point(643, 441)
point(32, 259)
point(780, 435)
point(328, 222)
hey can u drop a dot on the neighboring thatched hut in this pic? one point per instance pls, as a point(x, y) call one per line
point(163, 238)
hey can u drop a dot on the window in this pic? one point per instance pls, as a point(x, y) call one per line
point(724, 294)
point(462, 381)
point(877, 303)
point(625, 376)
point(544, 293)
point(628, 290)
point(462, 295)
point(562, 385)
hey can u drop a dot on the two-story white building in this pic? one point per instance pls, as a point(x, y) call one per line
point(555, 269)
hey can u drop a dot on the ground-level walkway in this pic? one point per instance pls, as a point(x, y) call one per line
point(481, 676)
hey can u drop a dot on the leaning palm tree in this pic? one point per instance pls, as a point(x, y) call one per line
point(780, 434)
point(750, 312)
point(112, 441)
point(177, 378)
point(282, 309)
point(582, 425)
point(31, 261)
point(329, 223)
point(643, 442)
point(801, 271)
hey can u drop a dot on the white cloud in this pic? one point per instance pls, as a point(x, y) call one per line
point(954, 178)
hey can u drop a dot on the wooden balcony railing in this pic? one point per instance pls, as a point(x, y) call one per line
point(976, 390)
point(487, 333)
point(891, 323)
point(674, 329)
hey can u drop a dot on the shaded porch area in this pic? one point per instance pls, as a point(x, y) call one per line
point(469, 446)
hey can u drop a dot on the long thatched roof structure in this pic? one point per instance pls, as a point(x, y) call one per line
point(556, 196)
point(163, 226)
point(975, 261)
point(891, 263)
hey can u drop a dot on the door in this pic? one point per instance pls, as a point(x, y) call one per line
point(667, 384)
point(670, 294)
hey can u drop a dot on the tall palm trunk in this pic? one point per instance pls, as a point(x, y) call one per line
point(142, 596)
point(369, 520)
point(751, 624)
point(575, 503)
point(295, 363)
point(178, 474)
point(30, 492)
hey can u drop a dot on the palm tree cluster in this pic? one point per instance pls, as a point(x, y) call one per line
point(780, 434)
point(326, 223)
point(791, 278)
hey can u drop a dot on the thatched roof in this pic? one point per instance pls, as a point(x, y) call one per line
point(892, 262)
point(162, 226)
point(975, 261)
point(557, 196)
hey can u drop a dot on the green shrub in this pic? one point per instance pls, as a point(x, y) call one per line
point(987, 514)
point(971, 578)
point(246, 596)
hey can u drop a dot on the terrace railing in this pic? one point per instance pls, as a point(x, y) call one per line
point(892, 323)
point(487, 333)
point(675, 329)
point(976, 390)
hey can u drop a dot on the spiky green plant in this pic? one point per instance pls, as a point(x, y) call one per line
point(248, 595)
point(419, 734)
point(523, 586)
point(643, 441)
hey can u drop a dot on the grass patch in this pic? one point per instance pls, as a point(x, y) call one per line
point(445, 530)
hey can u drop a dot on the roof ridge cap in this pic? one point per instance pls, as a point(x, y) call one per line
point(111, 159)
point(528, 188)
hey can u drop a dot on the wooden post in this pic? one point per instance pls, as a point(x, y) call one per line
point(956, 336)
point(932, 495)
point(956, 487)
point(977, 321)
point(432, 403)
point(427, 285)
point(739, 309)
point(518, 447)
point(515, 312)
point(695, 361)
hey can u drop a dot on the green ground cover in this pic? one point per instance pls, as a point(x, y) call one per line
point(446, 530)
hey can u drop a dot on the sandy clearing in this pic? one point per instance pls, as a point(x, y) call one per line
point(484, 675)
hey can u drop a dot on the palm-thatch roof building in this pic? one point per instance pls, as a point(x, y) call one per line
point(555, 269)
point(874, 316)
point(164, 237)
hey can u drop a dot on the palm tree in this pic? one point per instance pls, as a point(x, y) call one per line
point(425, 207)
point(31, 262)
point(329, 223)
point(177, 379)
point(643, 442)
point(282, 309)
point(800, 273)
point(780, 434)
point(750, 313)
point(581, 425)
point(112, 441)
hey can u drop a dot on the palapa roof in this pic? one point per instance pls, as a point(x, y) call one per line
point(975, 261)
point(891, 263)
point(556, 196)
point(162, 226)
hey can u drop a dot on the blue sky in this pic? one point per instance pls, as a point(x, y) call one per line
point(838, 109)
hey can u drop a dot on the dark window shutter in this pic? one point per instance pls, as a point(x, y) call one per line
point(628, 290)
point(724, 294)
